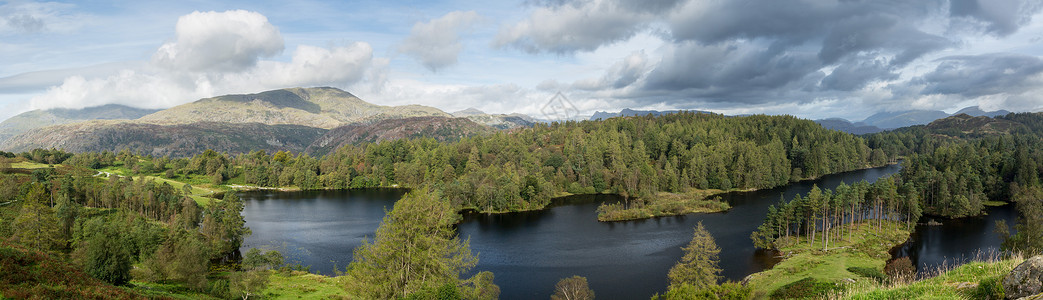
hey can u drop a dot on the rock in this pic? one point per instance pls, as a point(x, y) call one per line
point(966, 286)
point(1025, 280)
point(1033, 297)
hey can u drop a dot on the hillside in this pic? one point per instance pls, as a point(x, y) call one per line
point(160, 140)
point(42, 118)
point(322, 107)
point(846, 126)
point(438, 128)
point(965, 125)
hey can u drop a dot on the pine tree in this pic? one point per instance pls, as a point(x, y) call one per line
point(699, 265)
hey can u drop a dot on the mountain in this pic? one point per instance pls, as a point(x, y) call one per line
point(962, 125)
point(41, 118)
point(975, 111)
point(468, 112)
point(897, 119)
point(438, 128)
point(160, 140)
point(846, 126)
point(626, 112)
point(322, 107)
point(499, 121)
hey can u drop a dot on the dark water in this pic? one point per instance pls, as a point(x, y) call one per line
point(955, 241)
point(530, 251)
point(315, 228)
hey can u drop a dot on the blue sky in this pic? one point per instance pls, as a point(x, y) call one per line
point(810, 58)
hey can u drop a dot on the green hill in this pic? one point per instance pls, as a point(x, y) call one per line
point(438, 128)
point(174, 140)
point(321, 107)
point(42, 118)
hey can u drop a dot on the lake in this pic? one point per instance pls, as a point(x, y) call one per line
point(530, 251)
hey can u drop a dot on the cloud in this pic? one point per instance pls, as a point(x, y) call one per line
point(436, 44)
point(220, 41)
point(983, 75)
point(998, 17)
point(619, 75)
point(38, 17)
point(214, 54)
point(577, 26)
point(26, 23)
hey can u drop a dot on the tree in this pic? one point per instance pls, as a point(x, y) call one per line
point(5, 164)
point(415, 248)
point(698, 267)
point(224, 226)
point(572, 288)
point(36, 225)
point(248, 283)
point(107, 256)
point(182, 258)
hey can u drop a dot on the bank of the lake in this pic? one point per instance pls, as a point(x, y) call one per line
point(530, 251)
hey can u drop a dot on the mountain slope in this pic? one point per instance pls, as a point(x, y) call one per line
point(962, 125)
point(160, 140)
point(42, 118)
point(975, 111)
point(322, 107)
point(897, 119)
point(438, 128)
point(626, 112)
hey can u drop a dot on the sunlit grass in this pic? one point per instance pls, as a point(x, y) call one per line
point(303, 285)
point(962, 282)
point(867, 247)
point(32, 165)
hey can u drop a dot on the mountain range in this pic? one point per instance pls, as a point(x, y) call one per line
point(890, 120)
point(294, 119)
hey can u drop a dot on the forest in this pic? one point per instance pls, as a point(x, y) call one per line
point(69, 205)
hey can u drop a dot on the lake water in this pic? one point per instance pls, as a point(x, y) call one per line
point(530, 251)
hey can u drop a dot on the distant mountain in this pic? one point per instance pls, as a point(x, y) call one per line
point(626, 112)
point(846, 126)
point(975, 111)
point(438, 128)
point(499, 121)
point(322, 107)
point(468, 112)
point(896, 119)
point(174, 140)
point(41, 118)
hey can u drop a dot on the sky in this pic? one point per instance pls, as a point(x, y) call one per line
point(808, 58)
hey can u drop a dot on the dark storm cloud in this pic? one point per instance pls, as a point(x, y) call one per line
point(717, 71)
point(982, 75)
point(1000, 17)
point(853, 74)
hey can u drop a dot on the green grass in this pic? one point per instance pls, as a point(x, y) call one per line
point(202, 190)
point(303, 285)
point(867, 248)
point(968, 281)
point(994, 203)
point(166, 291)
point(28, 165)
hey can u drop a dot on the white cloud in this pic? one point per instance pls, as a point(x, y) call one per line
point(214, 54)
point(220, 41)
point(436, 44)
point(574, 27)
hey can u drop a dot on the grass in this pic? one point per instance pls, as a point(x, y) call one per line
point(304, 285)
point(28, 165)
point(867, 248)
point(665, 204)
point(994, 203)
point(202, 191)
point(166, 291)
point(973, 280)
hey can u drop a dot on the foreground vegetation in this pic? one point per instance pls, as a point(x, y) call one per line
point(979, 279)
point(810, 271)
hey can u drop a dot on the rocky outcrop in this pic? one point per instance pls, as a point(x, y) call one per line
point(1025, 280)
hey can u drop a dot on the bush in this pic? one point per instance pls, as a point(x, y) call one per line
point(805, 288)
point(900, 268)
point(868, 273)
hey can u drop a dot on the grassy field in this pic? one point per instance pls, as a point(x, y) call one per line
point(28, 165)
point(867, 248)
point(974, 280)
point(201, 191)
point(665, 204)
point(303, 285)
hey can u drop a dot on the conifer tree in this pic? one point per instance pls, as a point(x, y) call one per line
point(699, 265)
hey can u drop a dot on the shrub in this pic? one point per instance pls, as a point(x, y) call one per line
point(900, 268)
